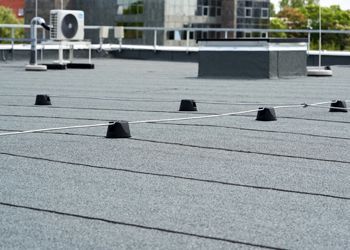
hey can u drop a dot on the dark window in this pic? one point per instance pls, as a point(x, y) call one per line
point(208, 8)
point(171, 35)
point(256, 13)
point(248, 12)
point(205, 11)
point(218, 11)
point(212, 11)
point(264, 13)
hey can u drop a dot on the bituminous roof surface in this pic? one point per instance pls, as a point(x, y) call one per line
point(220, 183)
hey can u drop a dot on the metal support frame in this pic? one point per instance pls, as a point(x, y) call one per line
point(62, 45)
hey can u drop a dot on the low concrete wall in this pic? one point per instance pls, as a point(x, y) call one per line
point(180, 56)
point(50, 55)
point(328, 60)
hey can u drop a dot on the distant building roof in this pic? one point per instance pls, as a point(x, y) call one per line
point(16, 5)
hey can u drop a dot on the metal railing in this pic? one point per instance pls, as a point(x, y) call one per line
point(161, 31)
point(13, 27)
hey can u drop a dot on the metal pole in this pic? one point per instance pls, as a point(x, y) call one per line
point(12, 38)
point(155, 40)
point(36, 8)
point(35, 33)
point(33, 51)
point(320, 33)
point(42, 46)
point(187, 40)
point(309, 28)
point(308, 41)
point(120, 43)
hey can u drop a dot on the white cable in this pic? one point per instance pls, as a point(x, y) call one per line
point(135, 122)
point(195, 117)
point(167, 120)
point(324, 107)
point(53, 129)
point(290, 106)
point(320, 103)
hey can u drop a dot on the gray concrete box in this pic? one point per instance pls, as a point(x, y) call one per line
point(252, 58)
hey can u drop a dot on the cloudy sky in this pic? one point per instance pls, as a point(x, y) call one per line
point(344, 4)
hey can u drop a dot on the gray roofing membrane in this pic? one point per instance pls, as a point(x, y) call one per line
point(221, 183)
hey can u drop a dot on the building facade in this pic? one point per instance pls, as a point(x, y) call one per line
point(180, 14)
point(173, 15)
point(97, 12)
point(252, 14)
point(16, 5)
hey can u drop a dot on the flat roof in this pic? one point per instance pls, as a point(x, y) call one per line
point(225, 182)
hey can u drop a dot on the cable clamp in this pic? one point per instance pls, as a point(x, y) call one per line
point(305, 105)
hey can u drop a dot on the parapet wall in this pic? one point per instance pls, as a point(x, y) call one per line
point(142, 54)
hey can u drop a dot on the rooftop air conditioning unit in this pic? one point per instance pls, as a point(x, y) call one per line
point(66, 25)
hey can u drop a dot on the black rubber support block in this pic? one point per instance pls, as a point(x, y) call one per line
point(338, 106)
point(118, 129)
point(266, 114)
point(55, 66)
point(188, 105)
point(42, 100)
point(80, 66)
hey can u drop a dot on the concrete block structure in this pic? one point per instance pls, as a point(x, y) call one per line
point(252, 58)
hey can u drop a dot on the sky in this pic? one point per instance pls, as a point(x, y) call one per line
point(344, 4)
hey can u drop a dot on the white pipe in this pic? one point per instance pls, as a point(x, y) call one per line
point(33, 37)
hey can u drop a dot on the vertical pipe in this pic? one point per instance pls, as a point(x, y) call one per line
point(12, 37)
point(120, 44)
point(155, 40)
point(71, 53)
point(60, 53)
point(35, 46)
point(33, 34)
point(42, 46)
point(89, 45)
